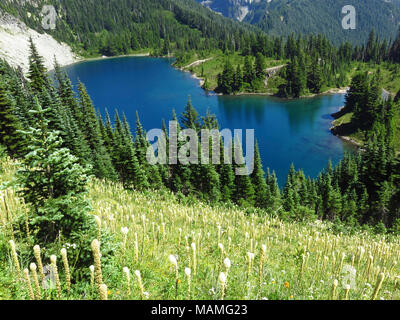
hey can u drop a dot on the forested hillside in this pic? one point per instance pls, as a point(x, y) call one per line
point(282, 17)
point(113, 27)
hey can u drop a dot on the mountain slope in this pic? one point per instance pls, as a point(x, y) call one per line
point(113, 27)
point(282, 17)
point(14, 44)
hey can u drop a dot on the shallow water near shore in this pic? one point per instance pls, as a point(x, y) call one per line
point(288, 131)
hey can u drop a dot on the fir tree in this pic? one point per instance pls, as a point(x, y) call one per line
point(100, 159)
point(37, 70)
point(190, 117)
point(54, 186)
point(259, 182)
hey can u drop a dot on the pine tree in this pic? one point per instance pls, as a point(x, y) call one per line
point(244, 192)
point(260, 66)
point(37, 71)
point(259, 182)
point(54, 186)
point(238, 79)
point(315, 81)
point(190, 117)
point(248, 73)
point(100, 159)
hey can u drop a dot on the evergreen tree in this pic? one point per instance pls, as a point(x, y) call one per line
point(259, 182)
point(100, 159)
point(238, 79)
point(260, 66)
point(244, 192)
point(54, 186)
point(248, 73)
point(37, 70)
point(10, 136)
point(190, 117)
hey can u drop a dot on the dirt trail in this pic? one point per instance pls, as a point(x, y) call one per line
point(196, 63)
point(271, 71)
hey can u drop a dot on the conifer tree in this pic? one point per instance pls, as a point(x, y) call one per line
point(100, 159)
point(54, 186)
point(10, 136)
point(259, 66)
point(37, 71)
point(259, 182)
point(248, 73)
point(190, 117)
point(238, 79)
point(244, 190)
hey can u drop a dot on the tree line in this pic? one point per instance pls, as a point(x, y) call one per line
point(312, 63)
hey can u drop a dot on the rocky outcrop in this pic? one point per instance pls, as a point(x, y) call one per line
point(14, 44)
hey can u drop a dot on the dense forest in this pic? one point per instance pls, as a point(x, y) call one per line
point(121, 26)
point(312, 63)
point(53, 131)
point(282, 17)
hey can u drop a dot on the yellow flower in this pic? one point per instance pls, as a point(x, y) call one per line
point(287, 285)
point(179, 281)
point(117, 292)
point(108, 292)
point(291, 297)
point(273, 282)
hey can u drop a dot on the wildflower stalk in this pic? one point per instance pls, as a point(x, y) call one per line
point(91, 268)
point(263, 251)
point(250, 257)
point(172, 259)
point(53, 260)
point(97, 264)
point(15, 257)
point(136, 248)
point(378, 285)
point(346, 292)
point(124, 231)
point(66, 268)
point(334, 287)
point(103, 292)
point(140, 284)
point(194, 258)
point(33, 268)
point(36, 252)
point(28, 284)
point(222, 282)
point(127, 280)
point(188, 274)
point(370, 264)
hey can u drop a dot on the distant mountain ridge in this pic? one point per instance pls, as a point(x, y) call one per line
point(283, 17)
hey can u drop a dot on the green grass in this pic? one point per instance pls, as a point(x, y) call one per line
point(301, 259)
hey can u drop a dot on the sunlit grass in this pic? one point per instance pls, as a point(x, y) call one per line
point(160, 239)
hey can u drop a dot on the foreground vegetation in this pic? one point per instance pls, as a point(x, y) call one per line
point(261, 256)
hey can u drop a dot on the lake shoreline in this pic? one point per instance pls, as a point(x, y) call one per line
point(346, 138)
point(82, 59)
point(340, 90)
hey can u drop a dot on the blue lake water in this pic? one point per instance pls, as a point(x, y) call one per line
point(288, 131)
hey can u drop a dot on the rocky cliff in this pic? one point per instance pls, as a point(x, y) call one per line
point(14, 44)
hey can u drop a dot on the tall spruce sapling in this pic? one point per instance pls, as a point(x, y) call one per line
point(54, 186)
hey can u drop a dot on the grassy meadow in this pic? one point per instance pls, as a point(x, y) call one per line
point(168, 248)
